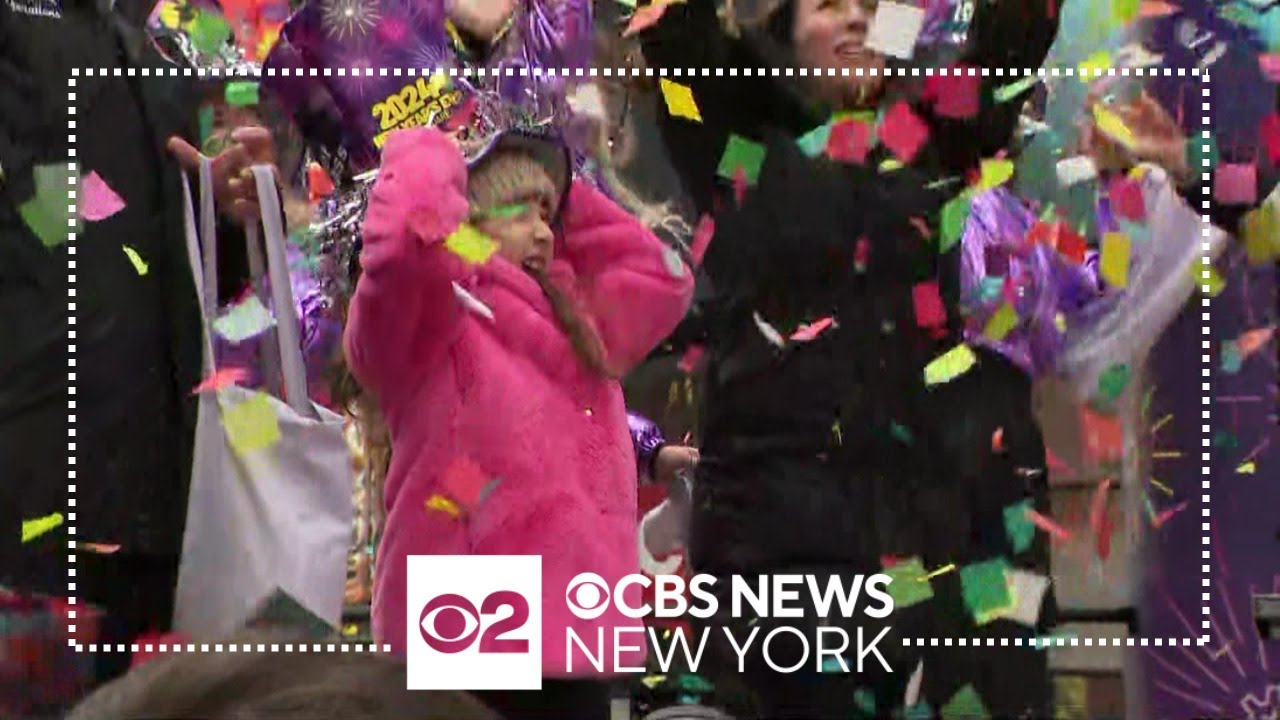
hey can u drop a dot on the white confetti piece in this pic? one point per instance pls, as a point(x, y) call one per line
point(248, 319)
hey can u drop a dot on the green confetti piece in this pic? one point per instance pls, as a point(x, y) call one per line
point(1017, 527)
point(241, 94)
point(1124, 11)
point(865, 701)
point(832, 665)
point(1001, 323)
point(1113, 381)
point(1226, 440)
point(950, 365)
point(740, 152)
point(245, 320)
point(901, 433)
point(954, 216)
point(206, 123)
point(1005, 93)
point(966, 704)
point(693, 683)
point(1231, 359)
point(990, 287)
point(920, 711)
point(907, 583)
point(985, 588)
point(32, 529)
point(209, 32)
point(1199, 149)
point(48, 212)
point(814, 142)
point(686, 699)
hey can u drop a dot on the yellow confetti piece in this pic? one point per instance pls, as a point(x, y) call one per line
point(1246, 468)
point(252, 425)
point(1213, 282)
point(32, 529)
point(890, 165)
point(1260, 230)
point(443, 504)
point(1100, 60)
point(470, 244)
point(1161, 423)
point(138, 263)
point(1001, 323)
point(1165, 454)
point(995, 173)
point(170, 16)
point(941, 571)
point(1116, 249)
point(1060, 322)
point(680, 102)
point(653, 681)
point(350, 631)
point(1163, 488)
point(949, 366)
point(1112, 126)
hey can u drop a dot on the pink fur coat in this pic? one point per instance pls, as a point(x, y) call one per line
point(469, 364)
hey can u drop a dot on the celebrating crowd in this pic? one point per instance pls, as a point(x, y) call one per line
point(851, 264)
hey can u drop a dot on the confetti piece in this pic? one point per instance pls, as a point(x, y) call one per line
point(1213, 282)
point(1112, 382)
point(806, 333)
point(1232, 360)
point(247, 319)
point(849, 141)
point(98, 548)
point(1157, 8)
point(929, 309)
point(1270, 131)
point(32, 529)
point(768, 331)
point(653, 681)
point(1103, 436)
point(997, 441)
point(470, 244)
point(208, 32)
point(1165, 515)
point(954, 363)
point(1200, 149)
point(507, 211)
point(139, 265)
point(680, 102)
point(953, 95)
point(241, 94)
point(443, 504)
point(1098, 61)
point(251, 425)
point(955, 214)
point(1076, 170)
point(895, 28)
point(1053, 529)
point(1028, 590)
point(814, 142)
point(350, 630)
point(1126, 199)
point(901, 433)
point(1005, 93)
point(221, 378)
point(97, 200)
point(995, 172)
point(861, 254)
point(1163, 488)
point(1001, 322)
point(647, 16)
point(862, 698)
point(46, 213)
point(702, 238)
point(1248, 468)
point(1018, 527)
point(1251, 340)
point(1112, 126)
point(907, 583)
point(1114, 262)
point(920, 711)
point(464, 481)
point(1124, 12)
point(1236, 183)
point(984, 587)
point(741, 154)
point(941, 571)
point(692, 356)
point(903, 132)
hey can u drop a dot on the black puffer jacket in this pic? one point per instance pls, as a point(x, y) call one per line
point(834, 452)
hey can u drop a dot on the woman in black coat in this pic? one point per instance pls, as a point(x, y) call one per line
point(829, 455)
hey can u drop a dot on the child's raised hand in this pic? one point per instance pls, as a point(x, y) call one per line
point(481, 18)
point(671, 460)
point(1152, 137)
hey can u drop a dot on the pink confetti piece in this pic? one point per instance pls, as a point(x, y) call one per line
point(954, 95)
point(1126, 199)
point(903, 132)
point(221, 378)
point(1236, 183)
point(702, 238)
point(928, 305)
point(1055, 531)
point(1269, 63)
point(465, 482)
point(689, 361)
point(1098, 520)
point(1164, 515)
point(98, 201)
point(849, 142)
point(645, 17)
point(861, 254)
point(1270, 131)
point(806, 333)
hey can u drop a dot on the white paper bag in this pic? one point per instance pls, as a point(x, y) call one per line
point(275, 518)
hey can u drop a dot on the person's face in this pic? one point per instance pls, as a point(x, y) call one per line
point(833, 34)
point(522, 229)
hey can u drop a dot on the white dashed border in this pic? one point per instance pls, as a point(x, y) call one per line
point(1013, 73)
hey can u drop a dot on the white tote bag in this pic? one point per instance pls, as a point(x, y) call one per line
point(274, 518)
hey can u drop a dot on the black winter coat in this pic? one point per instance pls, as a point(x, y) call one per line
point(136, 336)
point(834, 452)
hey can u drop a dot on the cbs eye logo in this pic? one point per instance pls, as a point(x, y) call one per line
point(449, 623)
point(587, 596)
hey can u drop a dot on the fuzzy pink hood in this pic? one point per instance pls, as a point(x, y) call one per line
point(486, 376)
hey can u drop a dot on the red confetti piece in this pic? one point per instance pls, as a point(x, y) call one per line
point(1103, 436)
point(861, 253)
point(1126, 199)
point(805, 333)
point(903, 132)
point(849, 141)
point(99, 548)
point(225, 377)
point(1270, 131)
point(319, 184)
point(1098, 520)
point(953, 95)
point(1071, 245)
point(1055, 531)
point(930, 311)
point(997, 441)
point(646, 17)
point(461, 117)
point(465, 482)
point(689, 361)
point(702, 238)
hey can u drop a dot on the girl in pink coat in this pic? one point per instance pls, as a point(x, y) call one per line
point(509, 367)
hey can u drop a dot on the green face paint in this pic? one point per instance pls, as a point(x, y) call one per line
point(506, 211)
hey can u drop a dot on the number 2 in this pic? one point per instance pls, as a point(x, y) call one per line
point(491, 640)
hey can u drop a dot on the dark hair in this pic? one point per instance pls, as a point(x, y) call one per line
point(273, 686)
